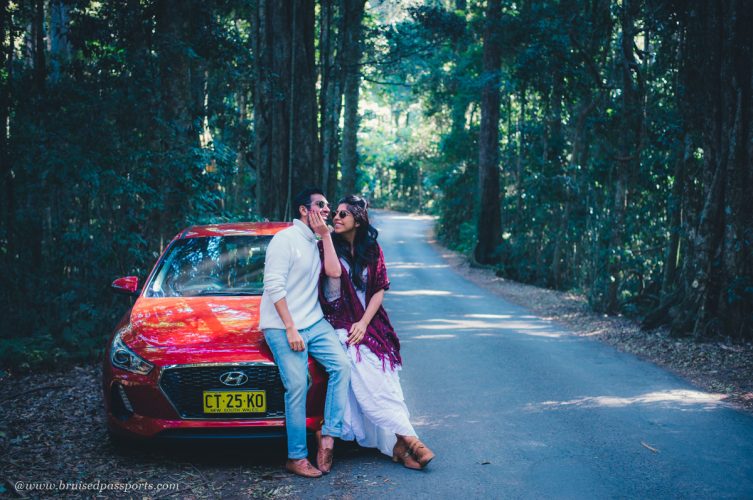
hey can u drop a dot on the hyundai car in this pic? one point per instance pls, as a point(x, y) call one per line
point(187, 360)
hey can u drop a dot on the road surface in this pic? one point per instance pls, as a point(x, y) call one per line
point(518, 407)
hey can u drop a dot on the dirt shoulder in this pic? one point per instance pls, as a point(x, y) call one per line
point(718, 367)
point(54, 444)
point(53, 437)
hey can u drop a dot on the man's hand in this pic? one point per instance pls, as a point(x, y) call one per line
point(318, 224)
point(357, 332)
point(294, 339)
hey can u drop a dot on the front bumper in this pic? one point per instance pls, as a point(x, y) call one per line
point(153, 406)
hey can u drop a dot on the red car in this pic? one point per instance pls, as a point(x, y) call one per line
point(188, 359)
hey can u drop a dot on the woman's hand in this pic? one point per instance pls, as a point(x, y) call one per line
point(357, 333)
point(318, 224)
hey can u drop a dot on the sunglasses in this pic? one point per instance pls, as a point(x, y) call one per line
point(321, 204)
point(342, 214)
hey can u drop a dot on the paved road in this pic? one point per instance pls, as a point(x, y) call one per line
point(516, 407)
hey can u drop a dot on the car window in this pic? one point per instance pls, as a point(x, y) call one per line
point(217, 265)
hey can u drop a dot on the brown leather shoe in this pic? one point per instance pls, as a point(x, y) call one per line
point(421, 453)
point(302, 467)
point(401, 454)
point(323, 455)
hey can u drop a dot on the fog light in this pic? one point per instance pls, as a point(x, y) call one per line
point(121, 406)
point(124, 397)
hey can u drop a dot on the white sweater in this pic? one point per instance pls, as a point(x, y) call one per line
point(291, 271)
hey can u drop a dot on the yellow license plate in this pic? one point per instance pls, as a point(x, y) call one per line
point(235, 401)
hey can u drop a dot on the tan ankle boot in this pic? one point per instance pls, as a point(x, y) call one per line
point(401, 454)
point(421, 453)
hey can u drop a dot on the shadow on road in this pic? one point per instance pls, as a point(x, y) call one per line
point(225, 452)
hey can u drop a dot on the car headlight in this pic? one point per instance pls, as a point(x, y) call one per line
point(122, 357)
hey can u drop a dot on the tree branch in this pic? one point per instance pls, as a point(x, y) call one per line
point(379, 82)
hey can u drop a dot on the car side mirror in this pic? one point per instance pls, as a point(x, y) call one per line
point(126, 286)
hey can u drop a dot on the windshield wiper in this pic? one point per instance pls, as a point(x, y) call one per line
point(225, 293)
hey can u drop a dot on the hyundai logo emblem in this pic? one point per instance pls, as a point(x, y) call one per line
point(234, 378)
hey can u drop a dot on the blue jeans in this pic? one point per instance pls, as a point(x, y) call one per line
point(322, 344)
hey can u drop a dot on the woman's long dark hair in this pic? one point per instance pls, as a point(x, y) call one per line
point(365, 247)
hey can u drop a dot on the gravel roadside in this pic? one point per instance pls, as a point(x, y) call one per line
point(54, 443)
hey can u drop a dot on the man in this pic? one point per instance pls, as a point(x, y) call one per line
point(294, 328)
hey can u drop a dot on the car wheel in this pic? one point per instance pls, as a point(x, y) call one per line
point(118, 440)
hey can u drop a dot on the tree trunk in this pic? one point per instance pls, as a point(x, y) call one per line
point(332, 32)
point(241, 162)
point(489, 219)
point(716, 278)
point(60, 47)
point(519, 161)
point(628, 156)
point(352, 51)
point(175, 70)
point(6, 62)
point(554, 141)
point(178, 135)
point(285, 104)
point(35, 200)
point(40, 70)
point(555, 276)
point(304, 129)
point(199, 26)
point(667, 294)
point(555, 147)
point(674, 216)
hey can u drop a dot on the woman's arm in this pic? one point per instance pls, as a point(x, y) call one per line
point(331, 262)
point(374, 304)
point(358, 330)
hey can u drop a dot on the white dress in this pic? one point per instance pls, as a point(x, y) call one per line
point(375, 410)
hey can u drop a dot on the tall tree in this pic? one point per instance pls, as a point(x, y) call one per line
point(489, 223)
point(100, 154)
point(285, 104)
point(60, 46)
point(352, 52)
point(178, 133)
point(716, 278)
point(331, 38)
point(628, 151)
point(6, 170)
point(38, 36)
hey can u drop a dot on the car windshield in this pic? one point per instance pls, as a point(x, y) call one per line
point(217, 265)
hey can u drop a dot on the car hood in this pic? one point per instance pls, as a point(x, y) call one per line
point(178, 330)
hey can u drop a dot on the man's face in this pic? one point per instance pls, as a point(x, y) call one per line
point(319, 204)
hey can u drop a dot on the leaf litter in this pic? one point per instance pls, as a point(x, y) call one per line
point(52, 429)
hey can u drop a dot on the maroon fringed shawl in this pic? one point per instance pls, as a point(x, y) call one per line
point(345, 310)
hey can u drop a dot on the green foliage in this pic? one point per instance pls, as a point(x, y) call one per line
point(110, 160)
point(562, 128)
point(147, 128)
point(408, 155)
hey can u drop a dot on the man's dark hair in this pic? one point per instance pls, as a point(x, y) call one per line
point(304, 198)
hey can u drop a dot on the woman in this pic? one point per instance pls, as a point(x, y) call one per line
point(375, 415)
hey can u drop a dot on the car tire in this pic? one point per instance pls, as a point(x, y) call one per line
point(117, 440)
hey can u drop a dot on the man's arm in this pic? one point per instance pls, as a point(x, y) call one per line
point(294, 338)
point(276, 268)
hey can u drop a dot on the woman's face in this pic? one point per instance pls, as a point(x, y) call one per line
point(344, 224)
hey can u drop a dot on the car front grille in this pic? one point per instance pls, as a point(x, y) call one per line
point(184, 387)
